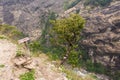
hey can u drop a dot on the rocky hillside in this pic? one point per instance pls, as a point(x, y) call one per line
point(102, 34)
point(28, 15)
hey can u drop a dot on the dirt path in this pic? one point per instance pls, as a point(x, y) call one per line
point(44, 70)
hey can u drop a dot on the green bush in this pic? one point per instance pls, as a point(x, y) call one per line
point(19, 53)
point(2, 37)
point(28, 75)
point(73, 58)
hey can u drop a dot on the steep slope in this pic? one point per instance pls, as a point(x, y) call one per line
point(102, 34)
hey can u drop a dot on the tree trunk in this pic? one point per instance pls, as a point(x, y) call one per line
point(64, 59)
point(68, 50)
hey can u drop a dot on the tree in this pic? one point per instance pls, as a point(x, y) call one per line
point(66, 33)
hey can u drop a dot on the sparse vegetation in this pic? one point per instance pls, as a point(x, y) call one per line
point(10, 31)
point(19, 53)
point(2, 37)
point(71, 75)
point(28, 75)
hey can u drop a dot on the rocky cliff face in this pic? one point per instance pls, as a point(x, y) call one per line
point(27, 15)
point(102, 35)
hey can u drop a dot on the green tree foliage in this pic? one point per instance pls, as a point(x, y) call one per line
point(97, 2)
point(66, 33)
point(73, 59)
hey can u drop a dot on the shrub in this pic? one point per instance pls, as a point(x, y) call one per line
point(28, 75)
point(2, 65)
point(11, 32)
point(19, 53)
point(73, 59)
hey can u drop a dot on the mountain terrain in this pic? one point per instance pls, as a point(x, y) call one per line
point(100, 36)
point(28, 15)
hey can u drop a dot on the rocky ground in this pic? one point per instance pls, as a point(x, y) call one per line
point(15, 66)
point(7, 51)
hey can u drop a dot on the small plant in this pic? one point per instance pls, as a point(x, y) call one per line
point(2, 65)
point(28, 75)
point(19, 53)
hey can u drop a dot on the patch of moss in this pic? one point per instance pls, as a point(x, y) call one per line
point(2, 65)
